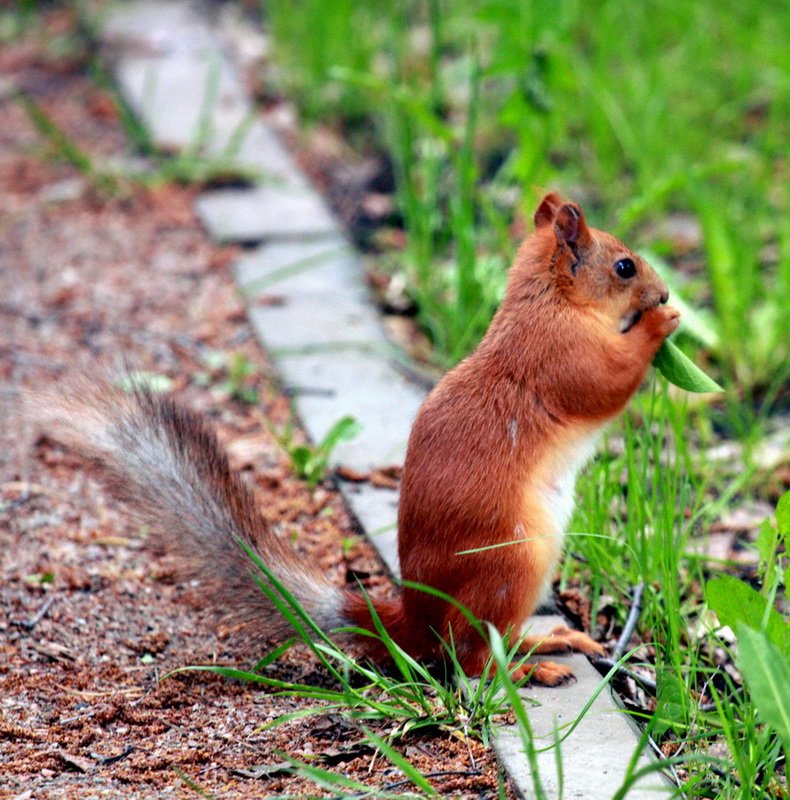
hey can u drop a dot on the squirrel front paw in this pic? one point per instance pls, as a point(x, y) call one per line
point(661, 321)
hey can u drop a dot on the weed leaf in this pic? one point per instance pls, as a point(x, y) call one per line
point(342, 431)
point(737, 603)
point(767, 674)
point(670, 712)
point(783, 516)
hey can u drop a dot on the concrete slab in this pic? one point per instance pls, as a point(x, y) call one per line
point(595, 755)
point(171, 71)
point(329, 347)
point(377, 513)
point(327, 265)
point(153, 26)
point(171, 67)
point(331, 383)
point(259, 149)
point(264, 212)
point(185, 98)
point(316, 281)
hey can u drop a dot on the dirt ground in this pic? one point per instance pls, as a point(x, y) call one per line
point(92, 621)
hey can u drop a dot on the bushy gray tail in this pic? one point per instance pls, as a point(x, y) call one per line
point(167, 466)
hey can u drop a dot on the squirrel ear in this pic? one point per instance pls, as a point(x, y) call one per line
point(569, 225)
point(547, 210)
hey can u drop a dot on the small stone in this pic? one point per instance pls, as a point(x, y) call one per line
point(67, 189)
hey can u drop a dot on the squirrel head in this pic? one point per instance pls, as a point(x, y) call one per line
point(592, 268)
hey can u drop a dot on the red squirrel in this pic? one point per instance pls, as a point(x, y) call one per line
point(492, 458)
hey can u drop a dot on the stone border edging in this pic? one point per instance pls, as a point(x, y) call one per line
point(326, 339)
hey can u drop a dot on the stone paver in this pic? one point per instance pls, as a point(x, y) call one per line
point(325, 338)
point(171, 68)
point(329, 348)
point(377, 512)
point(595, 755)
point(328, 267)
point(264, 211)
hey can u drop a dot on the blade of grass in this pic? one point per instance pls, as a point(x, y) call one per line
point(403, 764)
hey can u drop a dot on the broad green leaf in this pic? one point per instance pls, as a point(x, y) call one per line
point(767, 675)
point(770, 540)
point(767, 541)
point(677, 368)
point(783, 516)
point(670, 711)
point(735, 602)
point(767, 545)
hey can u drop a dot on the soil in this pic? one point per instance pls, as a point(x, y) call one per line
point(93, 623)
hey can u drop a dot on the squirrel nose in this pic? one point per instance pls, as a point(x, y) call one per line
point(664, 296)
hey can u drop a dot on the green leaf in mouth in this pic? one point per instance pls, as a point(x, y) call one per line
point(677, 368)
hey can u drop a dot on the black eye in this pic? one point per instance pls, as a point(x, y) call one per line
point(625, 268)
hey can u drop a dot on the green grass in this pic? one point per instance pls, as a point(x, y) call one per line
point(642, 516)
point(412, 696)
point(408, 698)
point(638, 110)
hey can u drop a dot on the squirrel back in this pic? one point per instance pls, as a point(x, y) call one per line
point(491, 461)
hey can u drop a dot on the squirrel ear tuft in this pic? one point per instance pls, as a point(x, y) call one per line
point(547, 210)
point(570, 226)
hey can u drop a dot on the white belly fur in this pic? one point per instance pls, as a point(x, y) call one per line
point(556, 489)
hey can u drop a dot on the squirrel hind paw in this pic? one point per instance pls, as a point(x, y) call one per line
point(546, 673)
point(578, 641)
point(563, 639)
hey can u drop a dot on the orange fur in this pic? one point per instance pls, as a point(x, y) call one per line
point(499, 433)
point(492, 459)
